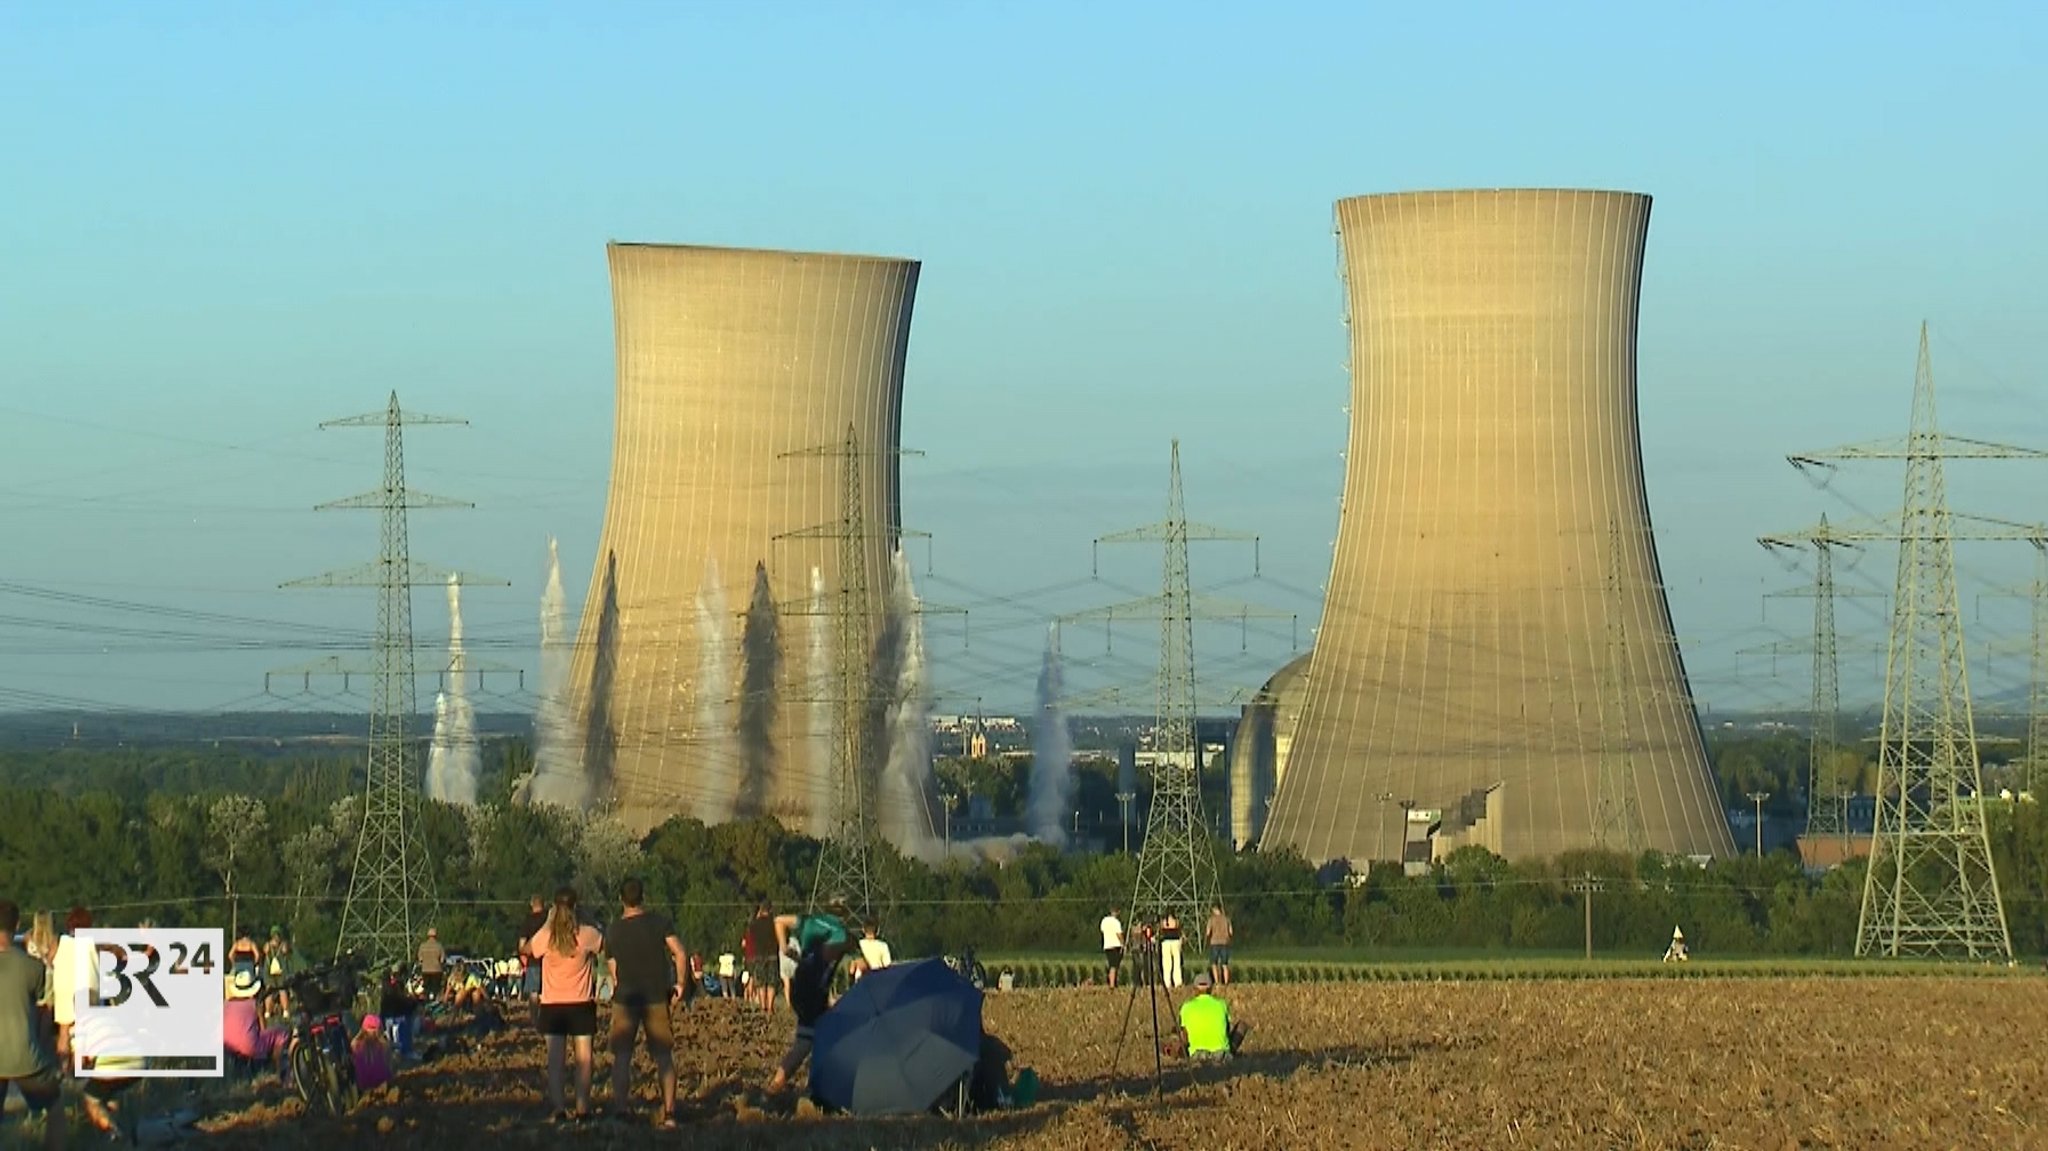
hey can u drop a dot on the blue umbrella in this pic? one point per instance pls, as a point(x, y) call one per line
point(898, 1040)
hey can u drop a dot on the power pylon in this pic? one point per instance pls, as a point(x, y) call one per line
point(1827, 794)
point(1618, 816)
point(391, 887)
point(1177, 862)
point(1931, 888)
point(2035, 765)
point(848, 850)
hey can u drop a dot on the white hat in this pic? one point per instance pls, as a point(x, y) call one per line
point(244, 984)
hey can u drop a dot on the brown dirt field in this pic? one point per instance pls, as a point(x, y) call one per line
point(1694, 1064)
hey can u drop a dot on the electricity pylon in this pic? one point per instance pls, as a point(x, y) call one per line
point(1177, 862)
point(391, 887)
point(848, 849)
point(1931, 888)
point(1827, 794)
point(2032, 768)
point(1618, 815)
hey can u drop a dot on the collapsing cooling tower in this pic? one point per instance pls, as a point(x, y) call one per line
point(740, 374)
point(1495, 626)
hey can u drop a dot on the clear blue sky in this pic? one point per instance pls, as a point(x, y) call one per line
point(223, 223)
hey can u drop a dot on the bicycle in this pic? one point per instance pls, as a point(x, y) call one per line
point(969, 968)
point(322, 1062)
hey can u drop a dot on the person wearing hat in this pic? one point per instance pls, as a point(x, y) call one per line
point(433, 965)
point(1205, 1020)
point(372, 1055)
point(242, 1032)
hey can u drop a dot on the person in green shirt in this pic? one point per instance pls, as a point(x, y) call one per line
point(1205, 1020)
point(821, 941)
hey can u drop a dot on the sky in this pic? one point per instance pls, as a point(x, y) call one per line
point(222, 224)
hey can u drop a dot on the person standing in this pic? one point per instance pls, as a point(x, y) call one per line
point(764, 963)
point(433, 965)
point(647, 968)
point(1169, 951)
point(1112, 944)
point(27, 1061)
point(1218, 933)
point(821, 940)
point(567, 1013)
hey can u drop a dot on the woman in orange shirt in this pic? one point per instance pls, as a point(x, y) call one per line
point(567, 949)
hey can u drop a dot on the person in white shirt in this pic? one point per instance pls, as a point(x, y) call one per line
point(1113, 944)
point(874, 951)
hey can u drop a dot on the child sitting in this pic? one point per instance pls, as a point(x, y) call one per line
point(372, 1055)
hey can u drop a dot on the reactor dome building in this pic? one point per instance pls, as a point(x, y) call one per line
point(759, 404)
point(1496, 664)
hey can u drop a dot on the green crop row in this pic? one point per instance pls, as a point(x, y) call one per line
point(1042, 973)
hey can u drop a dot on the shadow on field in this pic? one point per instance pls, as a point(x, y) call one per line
point(1133, 1075)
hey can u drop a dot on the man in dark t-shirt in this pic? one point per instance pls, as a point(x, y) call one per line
point(647, 967)
point(529, 974)
point(764, 963)
point(27, 1059)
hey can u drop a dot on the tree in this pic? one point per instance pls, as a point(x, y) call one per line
point(235, 825)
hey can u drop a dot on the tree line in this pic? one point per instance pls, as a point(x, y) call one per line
point(161, 836)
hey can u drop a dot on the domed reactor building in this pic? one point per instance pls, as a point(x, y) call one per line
point(702, 682)
point(1495, 639)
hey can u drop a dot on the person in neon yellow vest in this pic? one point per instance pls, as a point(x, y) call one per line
point(1205, 1020)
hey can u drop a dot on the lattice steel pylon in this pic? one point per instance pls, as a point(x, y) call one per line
point(391, 893)
point(1827, 793)
point(1618, 816)
point(2034, 767)
point(846, 859)
point(1931, 888)
point(1177, 863)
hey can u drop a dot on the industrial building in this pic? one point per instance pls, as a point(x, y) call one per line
point(741, 376)
point(1495, 636)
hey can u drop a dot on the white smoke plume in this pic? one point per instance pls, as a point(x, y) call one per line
point(823, 714)
point(904, 815)
point(454, 760)
point(437, 752)
point(557, 775)
point(716, 786)
point(1051, 796)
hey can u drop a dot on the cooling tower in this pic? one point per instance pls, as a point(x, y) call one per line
point(740, 376)
point(1495, 625)
point(1259, 754)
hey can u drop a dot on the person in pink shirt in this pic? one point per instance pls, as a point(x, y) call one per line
point(242, 1030)
point(567, 949)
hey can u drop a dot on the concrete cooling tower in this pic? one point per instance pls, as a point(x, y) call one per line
point(1261, 748)
point(1495, 628)
point(702, 682)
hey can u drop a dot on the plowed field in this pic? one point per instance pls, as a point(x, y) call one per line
point(1721, 1063)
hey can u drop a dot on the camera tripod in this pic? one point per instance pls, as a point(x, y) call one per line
point(1151, 974)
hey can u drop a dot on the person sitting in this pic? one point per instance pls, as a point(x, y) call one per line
point(1205, 1020)
point(398, 1011)
point(372, 1055)
point(874, 951)
point(242, 1032)
point(466, 990)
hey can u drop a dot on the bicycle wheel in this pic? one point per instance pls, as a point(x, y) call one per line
point(307, 1075)
point(339, 1089)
